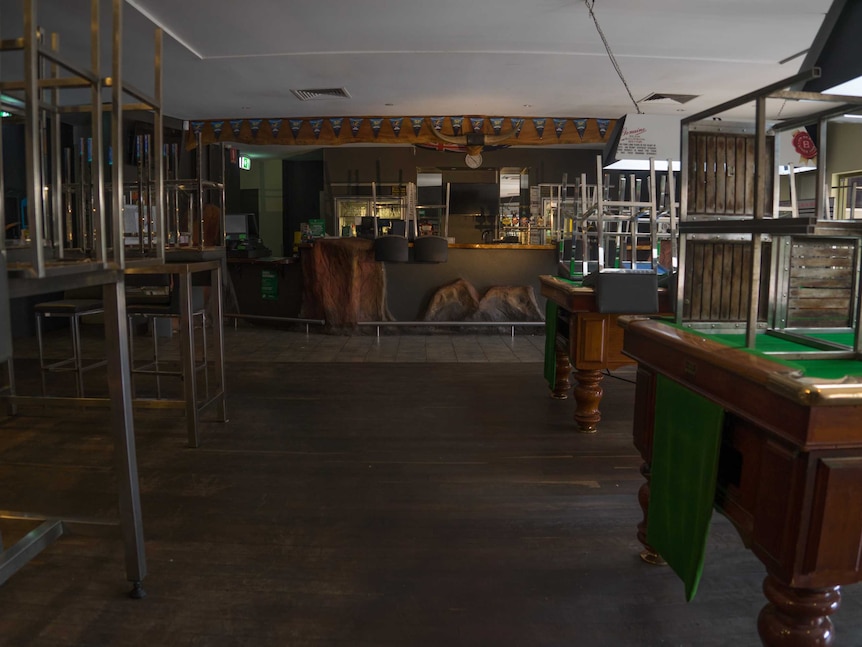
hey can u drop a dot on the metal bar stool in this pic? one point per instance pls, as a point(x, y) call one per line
point(153, 297)
point(73, 310)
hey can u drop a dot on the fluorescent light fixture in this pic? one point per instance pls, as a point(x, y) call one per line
point(851, 88)
point(639, 165)
point(785, 170)
point(853, 116)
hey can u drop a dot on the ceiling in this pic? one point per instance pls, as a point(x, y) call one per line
point(231, 59)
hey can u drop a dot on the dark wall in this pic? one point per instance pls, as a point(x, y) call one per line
point(302, 183)
point(399, 164)
point(410, 286)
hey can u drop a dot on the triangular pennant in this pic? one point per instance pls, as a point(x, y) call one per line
point(355, 124)
point(335, 123)
point(316, 125)
point(235, 125)
point(456, 122)
point(476, 123)
point(376, 123)
point(274, 126)
point(580, 126)
point(559, 125)
point(417, 122)
point(603, 126)
point(496, 124)
point(437, 122)
point(217, 127)
point(539, 123)
point(396, 124)
point(517, 123)
point(197, 126)
point(255, 126)
point(295, 125)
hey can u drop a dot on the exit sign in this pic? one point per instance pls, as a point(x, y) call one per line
point(245, 163)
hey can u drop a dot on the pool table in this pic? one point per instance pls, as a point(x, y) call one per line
point(789, 473)
point(587, 341)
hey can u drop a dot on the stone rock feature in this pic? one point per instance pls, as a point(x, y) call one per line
point(509, 303)
point(460, 301)
point(343, 284)
point(457, 301)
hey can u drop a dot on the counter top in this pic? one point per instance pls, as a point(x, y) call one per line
point(264, 260)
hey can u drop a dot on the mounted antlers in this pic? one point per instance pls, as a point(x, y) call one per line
point(474, 142)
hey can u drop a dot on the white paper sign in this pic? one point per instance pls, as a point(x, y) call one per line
point(649, 136)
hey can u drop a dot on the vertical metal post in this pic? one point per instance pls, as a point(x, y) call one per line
point(159, 153)
point(125, 458)
point(218, 338)
point(684, 166)
point(187, 353)
point(118, 239)
point(55, 157)
point(32, 147)
point(759, 208)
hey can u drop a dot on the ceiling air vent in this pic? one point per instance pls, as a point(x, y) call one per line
point(661, 97)
point(321, 93)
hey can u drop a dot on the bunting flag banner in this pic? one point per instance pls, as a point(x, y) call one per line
point(603, 126)
point(335, 123)
point(539, 123)
point(316, 125)
point(580, 126)
point(315, 132)
point(517, 123)
point(295, 125)
point(376, 123)
point(559, 125)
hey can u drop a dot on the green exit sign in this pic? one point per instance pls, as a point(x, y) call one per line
point(245, 163)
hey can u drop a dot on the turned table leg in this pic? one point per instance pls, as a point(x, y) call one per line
point(561, 376)
point(588, 393)
point(648, 554)
point(797, 617)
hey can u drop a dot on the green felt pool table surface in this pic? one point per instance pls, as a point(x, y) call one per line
point(766, 344)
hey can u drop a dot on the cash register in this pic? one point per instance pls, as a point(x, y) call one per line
point(242, 236)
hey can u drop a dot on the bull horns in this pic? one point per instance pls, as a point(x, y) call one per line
point(473, 140)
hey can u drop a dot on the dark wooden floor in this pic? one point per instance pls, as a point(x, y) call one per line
point(365, 504)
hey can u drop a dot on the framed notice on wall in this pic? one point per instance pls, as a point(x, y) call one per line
point(268, 285)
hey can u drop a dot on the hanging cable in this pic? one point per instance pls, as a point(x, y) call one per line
point(590, 4)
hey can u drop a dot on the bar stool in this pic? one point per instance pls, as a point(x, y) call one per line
point(152, 297)
point(73, 310)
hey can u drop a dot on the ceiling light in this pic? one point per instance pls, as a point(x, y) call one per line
point(853, 116)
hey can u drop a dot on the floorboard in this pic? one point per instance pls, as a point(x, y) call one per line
point(408, 491)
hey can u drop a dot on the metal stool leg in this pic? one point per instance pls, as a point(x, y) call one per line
point(41, 352)
point(76, 356)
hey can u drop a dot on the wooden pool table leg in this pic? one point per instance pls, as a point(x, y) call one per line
point(797, 617)
point(561, 375)
point(588, 393)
